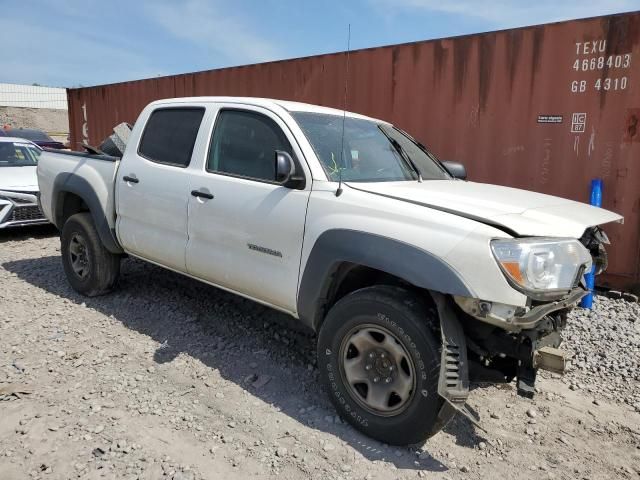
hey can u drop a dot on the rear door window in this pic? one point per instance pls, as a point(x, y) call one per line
point(170, 135)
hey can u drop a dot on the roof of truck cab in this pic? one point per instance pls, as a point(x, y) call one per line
point(267, 103)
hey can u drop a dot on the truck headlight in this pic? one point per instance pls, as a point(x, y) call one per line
point(542, 265)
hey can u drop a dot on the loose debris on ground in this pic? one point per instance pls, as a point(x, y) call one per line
point(167, 378)
point(605, 343)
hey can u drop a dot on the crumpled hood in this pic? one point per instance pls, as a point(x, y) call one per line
point(22, 179)
point(521, 211)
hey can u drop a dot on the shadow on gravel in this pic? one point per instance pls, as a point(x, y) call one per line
point(464, 431)
point(15, 234)
point(263, 351)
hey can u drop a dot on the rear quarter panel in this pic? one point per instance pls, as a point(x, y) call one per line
point(99, 174)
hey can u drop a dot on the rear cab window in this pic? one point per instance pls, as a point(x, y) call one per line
point(170, 135)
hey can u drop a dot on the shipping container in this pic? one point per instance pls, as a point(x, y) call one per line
point(544, 108)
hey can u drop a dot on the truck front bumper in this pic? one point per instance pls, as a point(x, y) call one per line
point(513, 318)
point(482, 352)
point(506, 342)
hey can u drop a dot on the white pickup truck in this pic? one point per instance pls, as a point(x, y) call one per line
point(417, 281)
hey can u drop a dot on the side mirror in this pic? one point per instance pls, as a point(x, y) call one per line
point(284, 166)
point(456, 170)
point(286, 171)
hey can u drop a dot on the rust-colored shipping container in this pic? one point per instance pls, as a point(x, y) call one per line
point(544, 108)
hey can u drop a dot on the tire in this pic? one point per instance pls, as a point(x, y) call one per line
point(81, 247)
point(378, 319)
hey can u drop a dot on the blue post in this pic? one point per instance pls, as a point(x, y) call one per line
point(596, 192)
point(596, 201)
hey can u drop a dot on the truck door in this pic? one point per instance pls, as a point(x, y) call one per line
point(152, 186)
point(246, 230)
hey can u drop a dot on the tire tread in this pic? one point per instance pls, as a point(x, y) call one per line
point(415, 316)
point(105, 265)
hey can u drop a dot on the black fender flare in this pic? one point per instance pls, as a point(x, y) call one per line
point(75, 184)
point(335, 247)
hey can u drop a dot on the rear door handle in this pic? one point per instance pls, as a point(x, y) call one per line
point(127, 178)
point(197, 193)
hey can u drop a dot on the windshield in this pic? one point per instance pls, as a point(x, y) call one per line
point(372, 152)
point(18, 155)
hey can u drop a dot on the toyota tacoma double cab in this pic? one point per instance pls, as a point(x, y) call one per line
point(417, 282)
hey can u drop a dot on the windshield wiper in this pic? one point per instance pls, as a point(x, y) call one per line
point(425, 150)
point(431, 156)
point(404, 155)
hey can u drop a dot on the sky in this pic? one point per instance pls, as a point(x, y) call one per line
point(70, 43)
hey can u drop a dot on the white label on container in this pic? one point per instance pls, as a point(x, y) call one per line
point(578, 122)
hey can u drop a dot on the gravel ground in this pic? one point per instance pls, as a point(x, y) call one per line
point(605, 343)
point(167, 378)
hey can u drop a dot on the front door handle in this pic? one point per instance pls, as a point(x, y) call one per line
point(197, 193)
point(129, 179)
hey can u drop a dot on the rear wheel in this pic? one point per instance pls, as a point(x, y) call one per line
point(90, 268)
point(380, 361)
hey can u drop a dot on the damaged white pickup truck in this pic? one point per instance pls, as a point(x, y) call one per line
point(417, 281)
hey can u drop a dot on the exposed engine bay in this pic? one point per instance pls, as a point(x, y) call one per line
point(514, 342)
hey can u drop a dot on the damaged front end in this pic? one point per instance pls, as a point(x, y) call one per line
point(594, 239)
point(477, 352)
point(498, 355)
point(504, 342)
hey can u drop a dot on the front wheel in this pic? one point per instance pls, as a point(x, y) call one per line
point(90, 268)
point(380, 362)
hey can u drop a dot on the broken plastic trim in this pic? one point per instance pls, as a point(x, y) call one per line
point(551, 359)
point(486, 311)
point(453, 381)
point(594, 239)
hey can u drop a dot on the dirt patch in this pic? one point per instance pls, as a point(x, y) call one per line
point(52, 121)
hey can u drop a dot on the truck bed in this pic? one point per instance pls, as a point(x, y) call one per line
point(87, 172)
